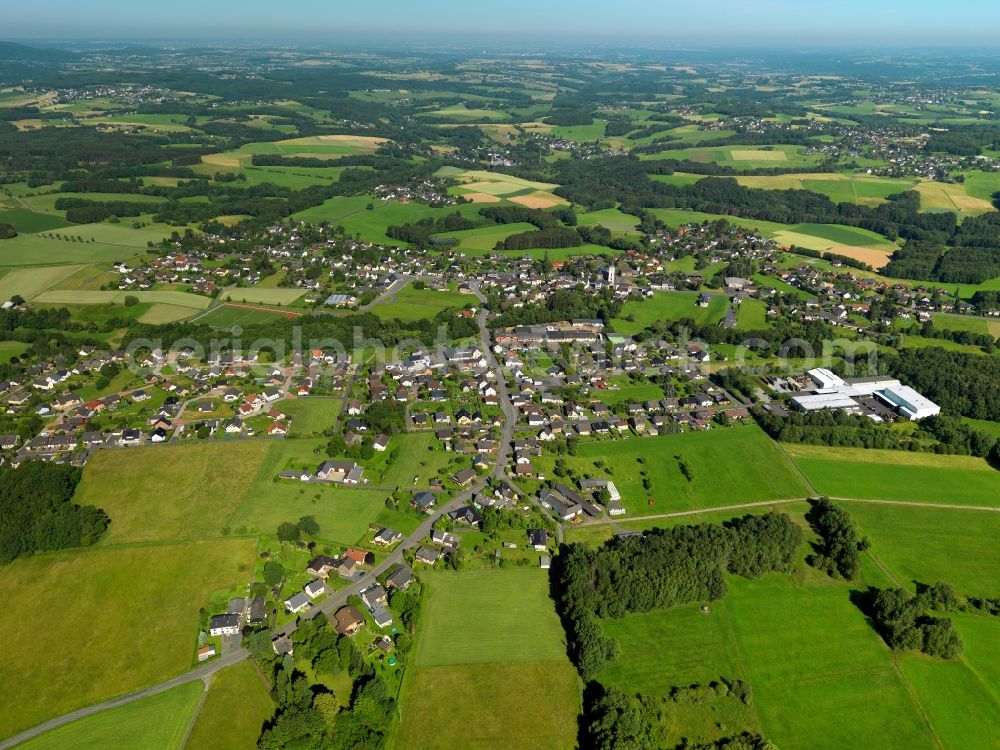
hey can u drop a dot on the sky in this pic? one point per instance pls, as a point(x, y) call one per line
point(752, 23)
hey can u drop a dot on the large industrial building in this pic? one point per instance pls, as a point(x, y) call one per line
point(869, 396)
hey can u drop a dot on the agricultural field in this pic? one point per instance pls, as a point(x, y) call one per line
point(484, 239)
point(227, 316)
point(667, 306)
point(779, 637)
point(493, 637)
point(36, 250)
point(742, 157)
point(897, 475)
point(114, 590)
point(263, 296)
point(237, 706)
point(834, 238)
point(492, 187)
point(159, 721)
point(751, 315)
point(838, 187)
point(26, 221)
point(934, 544)
point(610, 218)
point(90, 297)
point(30, 282)
point(990, 326)
point(419, 304)
point(941, 196)
point(729, 465)
point(147, 500)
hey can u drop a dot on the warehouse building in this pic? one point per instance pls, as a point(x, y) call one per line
point(862, 395)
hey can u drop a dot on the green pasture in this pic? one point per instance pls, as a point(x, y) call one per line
point(263, 295)
point(92, 297)
point(235, 709)
point(729, 465)
point(669, 306)
point(417, 304)
point(158, 721)
point(898, 475)
point(138, 606)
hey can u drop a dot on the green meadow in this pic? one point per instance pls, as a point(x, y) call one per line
point(159, 721)
point(493, 637)
point(729, 466)
point(418, 304)
point(235, 709)
point(898, 475)
point(138, 605)
point(668, 306)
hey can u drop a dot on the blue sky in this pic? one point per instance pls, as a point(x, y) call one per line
point(755, 23)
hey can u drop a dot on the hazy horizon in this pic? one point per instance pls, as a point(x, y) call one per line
point(796, 24)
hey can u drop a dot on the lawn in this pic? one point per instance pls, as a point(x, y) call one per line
point(898, 475)
point(169, 492)
point(934, 544)
point(493, 638)
point(157, 722)
point(137, 605)
point(729, 465)
point(417, 304)
point(667, 306)
point(237, 705)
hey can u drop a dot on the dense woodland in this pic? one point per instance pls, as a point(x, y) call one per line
point(38, 512)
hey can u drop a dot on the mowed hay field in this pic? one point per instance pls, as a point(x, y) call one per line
point(236, 707)
point(730, 466)
point(169, 492)
point(489, 638)
point(30, 282)
point(898, 475)
point(941, 196)
point(92, 297)
point(135, 607)
point(158, 722)
point(263, 296)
